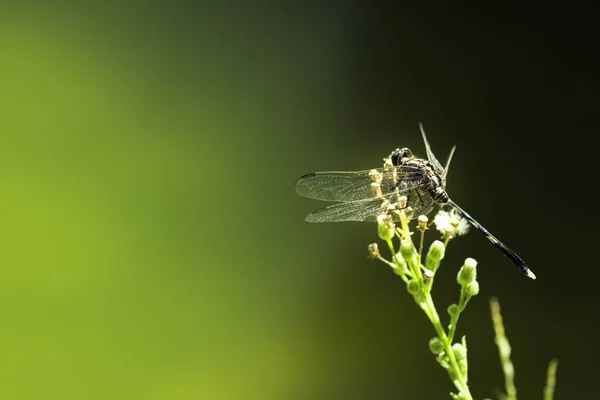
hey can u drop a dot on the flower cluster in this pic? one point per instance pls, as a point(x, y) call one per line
point(406, 261)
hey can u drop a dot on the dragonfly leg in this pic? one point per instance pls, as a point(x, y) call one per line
point(407, 201)
point(420, 198)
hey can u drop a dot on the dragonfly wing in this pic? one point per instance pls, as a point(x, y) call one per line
point(352, 186)
point(419, 201)
point(361, 210)
point(445, 173)
point(335, 186)
point(430, 155)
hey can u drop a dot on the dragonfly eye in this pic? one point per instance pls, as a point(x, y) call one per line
point(399, 154)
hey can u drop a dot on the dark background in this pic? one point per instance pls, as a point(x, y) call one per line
point(154, 247)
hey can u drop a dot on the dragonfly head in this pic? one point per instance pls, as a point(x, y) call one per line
point(399, 155)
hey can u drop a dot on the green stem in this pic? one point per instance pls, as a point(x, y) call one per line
point(504, 351)
point(421, 244)
point(429, 308)
point(415, 269)
point(396, 261)
point(459, 381)
point(462, 303)
point(551, 380)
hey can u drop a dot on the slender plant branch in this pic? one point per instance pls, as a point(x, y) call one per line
point(456, 374)
point(551, 380)
point(504, 351)
point(462, 304)
point(406, 262)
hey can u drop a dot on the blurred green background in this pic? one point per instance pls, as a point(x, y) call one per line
point(152, 243)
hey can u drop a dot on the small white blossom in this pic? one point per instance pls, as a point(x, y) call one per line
point(451, 221)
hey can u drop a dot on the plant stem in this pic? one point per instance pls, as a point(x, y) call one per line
point(504, 351)
point(454, 319)
point(421, 244)
point(423, 298)
point(551, 380)
point(458, 379)
point(396, 261)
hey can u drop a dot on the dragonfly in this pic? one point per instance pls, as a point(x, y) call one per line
point(404, 181)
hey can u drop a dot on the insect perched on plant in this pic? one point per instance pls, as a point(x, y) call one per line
point(364, 195)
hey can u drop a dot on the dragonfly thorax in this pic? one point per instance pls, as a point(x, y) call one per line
point(437, 185)
point(431, 177)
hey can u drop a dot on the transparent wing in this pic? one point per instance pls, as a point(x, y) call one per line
point(419, 201)
point(352, 186)
point(430, 155)
point(445, 173)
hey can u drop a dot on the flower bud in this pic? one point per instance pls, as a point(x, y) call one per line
point(413, 287)
point(449, 231)
point(402, 202)
point(473, 288)
point(408, 251)
point(427, 275)
point(385, 227)
point(460, 351)
point(376, 176)
point(463, 366)
point(455, 222)
point(401, 263)
point(436, 346)
point(468, 272)
point(435, 255)
point(374, 250)
point(453, 310)
point(444, 361)
point(422, 223)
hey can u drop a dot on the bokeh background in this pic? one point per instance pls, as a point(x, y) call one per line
point(152, 243)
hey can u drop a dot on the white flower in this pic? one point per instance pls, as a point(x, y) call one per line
point(451, 222)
